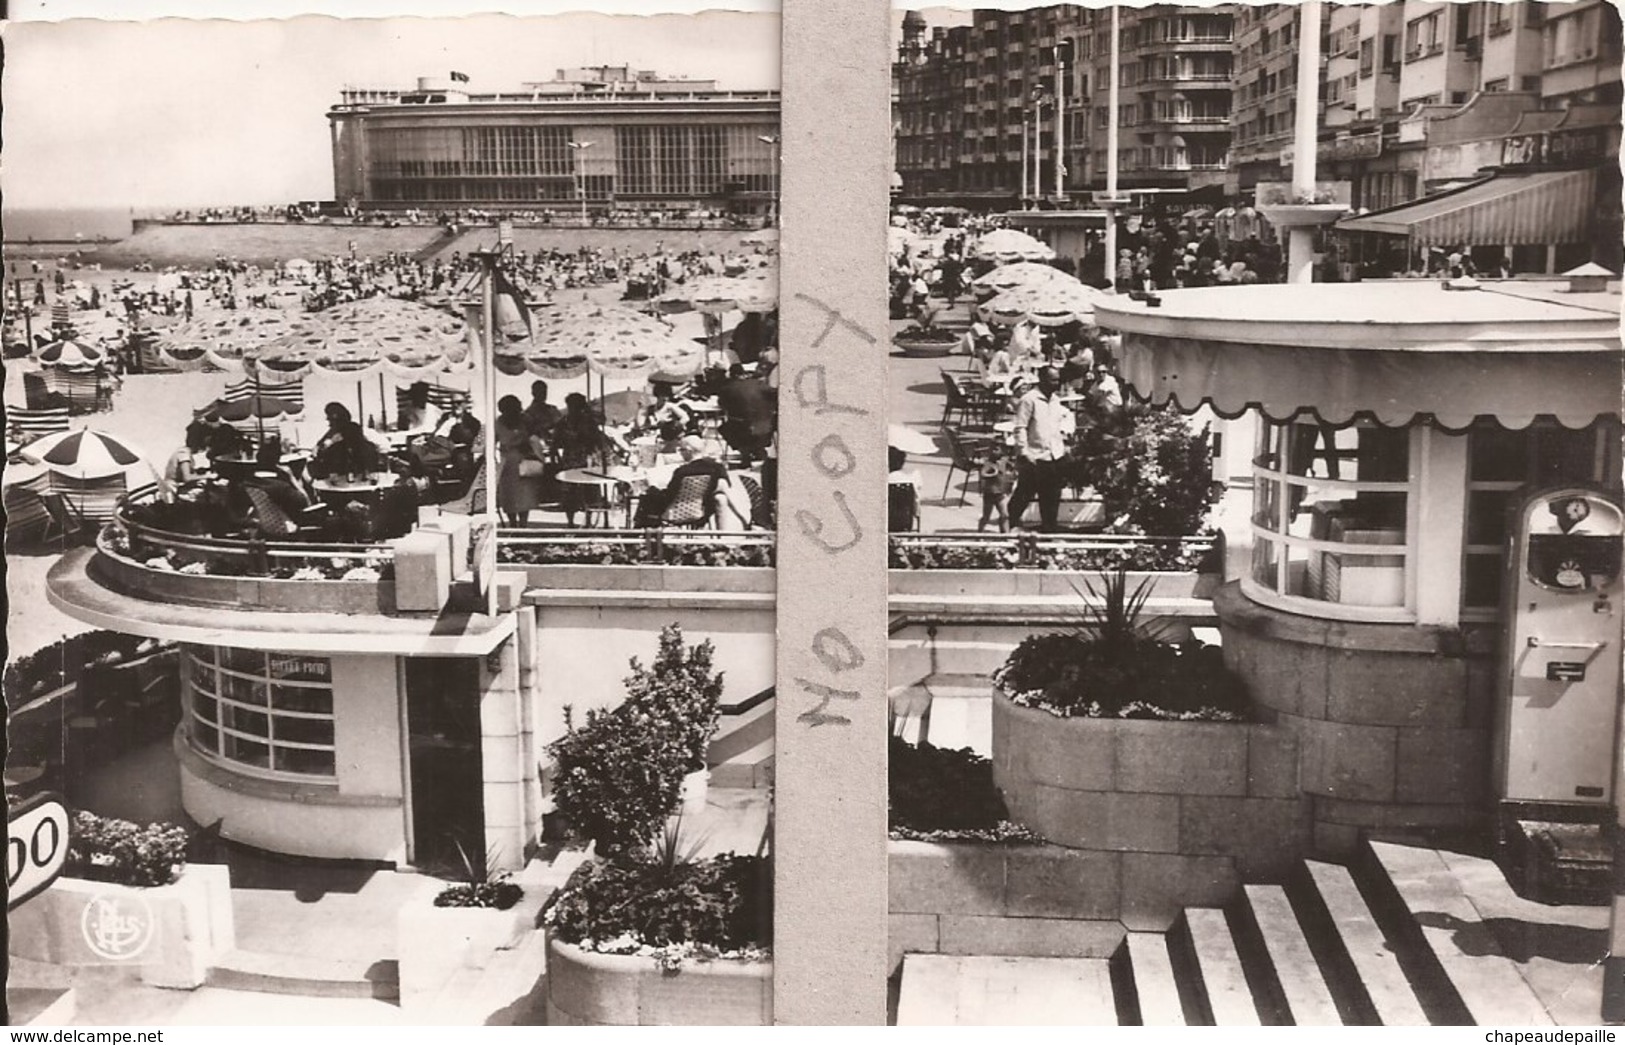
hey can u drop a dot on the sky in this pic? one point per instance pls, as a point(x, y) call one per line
point(173, 112)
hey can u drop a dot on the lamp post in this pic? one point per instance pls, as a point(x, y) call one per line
point(1062, 50)
point(1039, 99)
point(581, 175)
point(773, 204)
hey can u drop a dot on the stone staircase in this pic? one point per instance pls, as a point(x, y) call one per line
point(741, 753)
point(1405, 936)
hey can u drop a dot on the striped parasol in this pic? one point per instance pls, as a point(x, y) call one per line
point(85, 453)
point(73, 354)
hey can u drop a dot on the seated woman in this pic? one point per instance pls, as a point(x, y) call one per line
point(182, 467)
point(520, 453)
point(664, 410)
point(420, 416)
point(344, 449)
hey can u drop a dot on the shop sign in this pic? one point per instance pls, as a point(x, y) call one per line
point(36, 846)
point(1524, 149)
point(1588, 145)
point(1565, 671)
point(1354, 147)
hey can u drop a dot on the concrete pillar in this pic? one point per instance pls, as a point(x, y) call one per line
point(502, 758)
point(1300, 254)
point(1439, 468)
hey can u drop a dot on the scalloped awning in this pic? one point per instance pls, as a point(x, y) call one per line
point(1401, 352)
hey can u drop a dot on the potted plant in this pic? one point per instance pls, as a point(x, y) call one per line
point(924, 339)
point(129, 894)
point(620, 927)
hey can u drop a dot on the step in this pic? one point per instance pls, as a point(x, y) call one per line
point(1154, 983)
point(944, 990)
point(1229, 996)
point(504, 993)
point(41, 1006)
point(1457, 939)
point(241, 970)
point(750, 769)
point(1308, 999)
point(1376, 971)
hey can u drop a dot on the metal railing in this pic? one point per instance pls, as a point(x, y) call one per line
point(1077, 552)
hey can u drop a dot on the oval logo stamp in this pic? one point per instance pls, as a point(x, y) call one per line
point(117, 926)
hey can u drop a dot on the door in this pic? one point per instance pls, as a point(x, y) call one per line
point(444, 767)
point(1561, 667)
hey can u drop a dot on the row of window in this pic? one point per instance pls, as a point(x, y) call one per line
point(269, 712)
point(1333, 508)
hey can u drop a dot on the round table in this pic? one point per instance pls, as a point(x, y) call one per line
point(606, 481)
point(334, 489)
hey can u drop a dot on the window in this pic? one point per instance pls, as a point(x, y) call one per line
point(1330, 514)
point(1495, 86)
point(270, 712)
point(1501, 462)
point(1368, 49)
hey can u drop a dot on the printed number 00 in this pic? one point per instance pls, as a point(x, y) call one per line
point(35, 851)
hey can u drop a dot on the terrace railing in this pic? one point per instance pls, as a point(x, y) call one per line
point(656, 547)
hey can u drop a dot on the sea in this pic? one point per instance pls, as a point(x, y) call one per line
point(68, 224)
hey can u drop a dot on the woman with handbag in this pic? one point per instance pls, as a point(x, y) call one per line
point(519, 481)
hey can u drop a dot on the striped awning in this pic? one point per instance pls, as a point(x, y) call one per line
point(1510, 210)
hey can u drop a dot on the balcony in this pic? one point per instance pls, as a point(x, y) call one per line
point(1500, 28)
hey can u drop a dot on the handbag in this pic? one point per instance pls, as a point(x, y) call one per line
point(530, 468)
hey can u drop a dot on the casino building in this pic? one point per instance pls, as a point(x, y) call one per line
point(608, 137)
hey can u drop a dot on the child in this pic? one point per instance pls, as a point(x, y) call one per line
point(998, 478)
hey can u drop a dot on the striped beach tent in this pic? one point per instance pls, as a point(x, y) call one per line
point(25, 512)
point(267, 386)
point(33, 424)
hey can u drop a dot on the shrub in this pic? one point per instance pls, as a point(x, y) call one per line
point(1153, 474)
point(497, 893)
point(620, 774)
point(1116, 667)
point(937, 794)
point(65, 661)
point(716, 906)
point(102, 849)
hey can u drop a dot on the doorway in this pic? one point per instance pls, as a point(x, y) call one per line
point(445, 773)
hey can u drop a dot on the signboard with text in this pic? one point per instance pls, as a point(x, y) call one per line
point(36, 846)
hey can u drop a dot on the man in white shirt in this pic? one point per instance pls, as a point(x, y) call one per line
point(420, 416)
point(1043, 423)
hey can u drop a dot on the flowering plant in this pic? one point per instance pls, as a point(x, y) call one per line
point(103, 849)
point(620, 773)
point(1153, 474)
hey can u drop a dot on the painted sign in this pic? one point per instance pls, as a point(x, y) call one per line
point(117, 926)
point(36, 846)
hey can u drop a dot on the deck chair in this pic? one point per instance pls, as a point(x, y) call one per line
point(63, 519)
point(964, 455)
point(690, 506)
point(761, 509)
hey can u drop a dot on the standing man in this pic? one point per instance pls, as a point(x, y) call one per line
point(1042, 424)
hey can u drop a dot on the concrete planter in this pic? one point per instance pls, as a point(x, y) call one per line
point(575, 577)
point(612, 990)
point(924, 348)
point(1297, 215)
point(168, 935)
point(434, 944)
point(333, 596)
point(1222, 789)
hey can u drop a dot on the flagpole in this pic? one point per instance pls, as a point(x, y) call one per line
point(488, 390)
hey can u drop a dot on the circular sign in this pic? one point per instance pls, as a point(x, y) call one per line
point(117, 926)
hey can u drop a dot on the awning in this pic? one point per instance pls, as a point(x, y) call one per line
point(1402, 352)
point(1517, 209)
point(1394, 388)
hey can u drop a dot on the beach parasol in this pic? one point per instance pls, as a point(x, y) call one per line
point(84, 453)
point(752, 291)
point(222, 340)
point(899, 239)
point(1050, 304)
point(1020, 274)
point(901, 437)
point(568, 340)
point(1011, 245)
point(72, 354)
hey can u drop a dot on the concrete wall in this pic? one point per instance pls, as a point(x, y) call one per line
point(978, 898)
point(1393, 720)
point(1195, 807)
point(744, 639)
point(367, 725)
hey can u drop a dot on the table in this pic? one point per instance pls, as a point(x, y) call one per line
point(334, 490)
point(607, 481)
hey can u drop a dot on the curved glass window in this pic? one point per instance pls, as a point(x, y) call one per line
point(1330, 520)
point(269, 712)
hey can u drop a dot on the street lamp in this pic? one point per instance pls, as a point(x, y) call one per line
point(581, 177)
point(773, 205)
point(1040, 98)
